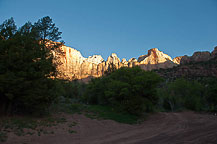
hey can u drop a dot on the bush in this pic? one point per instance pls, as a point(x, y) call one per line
point(182, 94)
point(211, 94)
point(71, 89)
point(130, 90)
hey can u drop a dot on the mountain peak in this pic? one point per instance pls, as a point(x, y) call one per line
point(96, 59)
point(114, 55)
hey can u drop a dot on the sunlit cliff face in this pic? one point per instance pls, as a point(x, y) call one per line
point(75, 66)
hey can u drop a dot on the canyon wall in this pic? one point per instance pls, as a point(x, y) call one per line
point(75, 66)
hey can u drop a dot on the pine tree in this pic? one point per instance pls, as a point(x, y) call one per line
point(26, 66)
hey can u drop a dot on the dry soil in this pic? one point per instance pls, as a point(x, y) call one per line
point(160, 128)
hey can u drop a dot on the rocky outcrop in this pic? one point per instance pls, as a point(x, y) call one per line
point(196, 57)
point(154, 57)
point(114, 61)
point(96, 59)
point(133, 62)
point(142, 57)
point(75, 66)
point(155, 60)
point(177, 60)
point(214, 52)
point(71, 61)
point(124, 62)
point(191, 70)
point(200, 64)
point(201, 56)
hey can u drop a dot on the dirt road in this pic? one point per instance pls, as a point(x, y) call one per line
point(160, 128)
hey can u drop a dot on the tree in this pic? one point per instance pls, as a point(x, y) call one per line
point(48, 34)
point(46, 29)
point(182, 94)
point(130, 90)
point(211, 94)
point(26, 66)
point(8, 29)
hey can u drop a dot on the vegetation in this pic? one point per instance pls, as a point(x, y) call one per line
point(25, 125)
point(130, 90)
point(108, 112)
point(26, 67)
point(71, 89)
point(211, 94)
point(184, 94)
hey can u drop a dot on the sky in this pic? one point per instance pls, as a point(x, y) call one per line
point(128, 28)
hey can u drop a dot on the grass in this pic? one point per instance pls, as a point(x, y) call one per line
point(3, 136)
point(98, 112)
point(94, 111)
point(72, 124)
point(106, 112)
point(25, 125)
point(31, 125)
point(68, 107)
point(72, 131)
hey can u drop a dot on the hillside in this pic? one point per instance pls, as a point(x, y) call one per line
point(199, 65)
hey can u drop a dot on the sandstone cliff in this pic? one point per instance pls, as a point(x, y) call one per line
point(155, 59)
point(178, 59)
point(75, 66)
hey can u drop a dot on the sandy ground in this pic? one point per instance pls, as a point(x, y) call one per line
point(160, 128)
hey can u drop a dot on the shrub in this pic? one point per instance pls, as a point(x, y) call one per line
point(182, 94)
point(211, 94)
point(71, 89)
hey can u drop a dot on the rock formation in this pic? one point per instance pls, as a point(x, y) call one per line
point(196, 57)
point(200, 64)
point(214, 52)
point(75, 66)
point(177, 60)
point(155, 60)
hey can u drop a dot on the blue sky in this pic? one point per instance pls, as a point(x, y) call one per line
point(126, 27)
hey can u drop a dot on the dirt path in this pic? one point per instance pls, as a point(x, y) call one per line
point(161, 128)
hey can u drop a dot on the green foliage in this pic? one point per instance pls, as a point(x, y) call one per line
point(46, 29)
point(72, 89)
point(3, 136)
point(26, 67)
point(70, 94)
point(130, 90)
point(25, 125)
point(211, 94)
point(182, 94)
point(107, 112)
point(72, 131)
point(8, 29)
